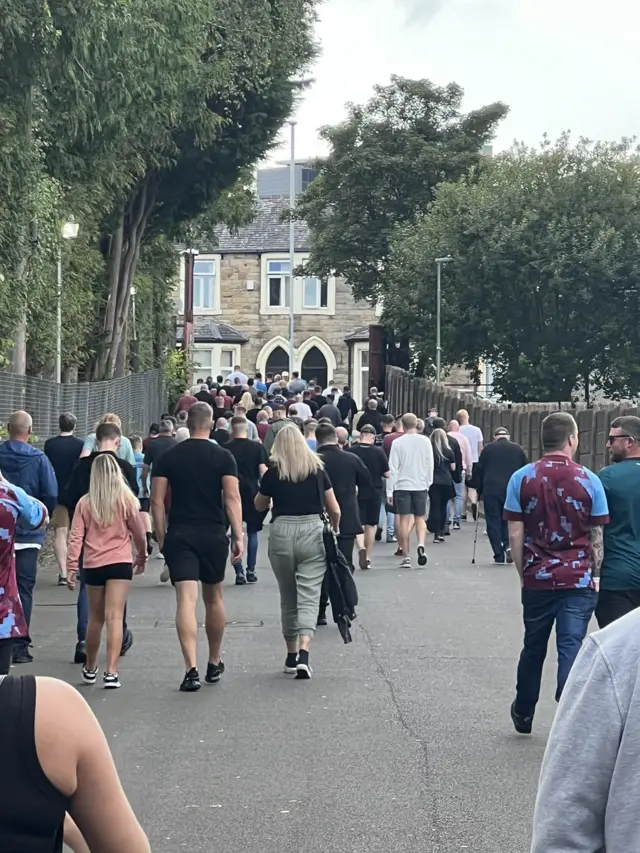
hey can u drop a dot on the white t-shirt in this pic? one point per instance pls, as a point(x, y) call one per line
point(475, 437)
point(303, 409)
point(410, 464)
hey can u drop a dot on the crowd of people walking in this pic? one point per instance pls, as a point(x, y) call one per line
point(239, 452)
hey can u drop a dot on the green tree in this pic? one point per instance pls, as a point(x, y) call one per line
point(545, 277)
point(386, 159)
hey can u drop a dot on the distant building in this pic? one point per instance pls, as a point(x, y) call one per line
point(242, 288)
point(273, 182)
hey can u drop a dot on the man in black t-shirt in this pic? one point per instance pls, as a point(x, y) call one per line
point(371, 497)
point(203, 480)
point(63, 452)
point(252, 460)
point(158, 447)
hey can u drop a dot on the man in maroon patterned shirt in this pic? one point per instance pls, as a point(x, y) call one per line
point(556, 510)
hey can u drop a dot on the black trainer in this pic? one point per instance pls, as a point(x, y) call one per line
point(252, 577)
point(422, 556)
point(522, 725)
point(80, 654)
point(214, 672)
point(378, 536)
point(22, 657)
point(291, 663)
point(191, 681)
point(127, 642)
point(241, 579)
point(322, 618)
point(303, 669)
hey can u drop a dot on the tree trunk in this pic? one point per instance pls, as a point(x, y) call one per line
point(19, 353)
point(122, 360)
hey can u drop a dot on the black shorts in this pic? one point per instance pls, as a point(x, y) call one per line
point(100, 576)
point(411, 503)
point(196, 554)
point(370, 510)
point(144, 504)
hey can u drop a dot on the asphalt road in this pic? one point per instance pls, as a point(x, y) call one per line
point(401, 742)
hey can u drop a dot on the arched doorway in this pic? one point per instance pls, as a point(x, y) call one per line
point(314, 366)
point(278, 361)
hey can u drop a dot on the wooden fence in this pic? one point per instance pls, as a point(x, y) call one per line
point(407, 393)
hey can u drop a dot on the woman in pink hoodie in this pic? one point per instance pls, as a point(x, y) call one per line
point(104, 522)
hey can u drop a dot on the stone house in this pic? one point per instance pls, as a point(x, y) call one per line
point(241, 307)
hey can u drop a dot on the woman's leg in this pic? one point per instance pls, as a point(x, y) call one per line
point(283, 564)
point(95, 600)
point(115, 600)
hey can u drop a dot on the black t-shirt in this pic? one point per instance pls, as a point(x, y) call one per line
point(194, 469)
point(375, 461)
point(78, 485)
point(158, 448)
point(220, 435)
point(294, 498)
point(249, 455)
point(63, 452)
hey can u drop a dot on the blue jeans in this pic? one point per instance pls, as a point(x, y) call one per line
point(387, 519)
point(252, 554)
point(497, 527)
point(82, 610)
point(26, 572)
point(571, 611)
point(454, 510)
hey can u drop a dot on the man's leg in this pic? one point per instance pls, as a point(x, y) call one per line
point(493, 519)
point(215, 618)
point(345, 544)
point(539, 612)
point(613, 604)
point(572, 622)
point(457, 504)
point(252, 551)
point(405, 524)
point(186, 622)
point(391, 526)
point(369, 539)
point(26, 571)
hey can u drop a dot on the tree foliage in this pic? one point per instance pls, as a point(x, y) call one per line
point(386, 159)
point(545, 278)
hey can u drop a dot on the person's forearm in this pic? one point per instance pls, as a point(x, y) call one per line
point(159, 520)
point(516, 544)
point(335, 519)
point(233, 506)
point(596, 537)
point(73, 838)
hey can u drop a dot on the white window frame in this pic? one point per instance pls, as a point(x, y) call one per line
point(215, 306)
point(285, 283)
point(318, 294)
point(299, 307)
point(215, 359)
point(358, 390)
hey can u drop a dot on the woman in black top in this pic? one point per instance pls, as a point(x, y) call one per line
point(58, 762)
point(296, 487)
point(442, 489)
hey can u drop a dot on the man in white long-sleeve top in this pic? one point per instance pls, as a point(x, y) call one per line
point(411, 476)
point(590, 784)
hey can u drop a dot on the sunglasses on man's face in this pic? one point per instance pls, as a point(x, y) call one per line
point(612, 438)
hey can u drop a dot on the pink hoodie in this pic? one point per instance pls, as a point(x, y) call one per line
point(103, 546)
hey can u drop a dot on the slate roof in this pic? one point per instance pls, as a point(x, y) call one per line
point(359, 335)
point(206, 331)
point(267, 232)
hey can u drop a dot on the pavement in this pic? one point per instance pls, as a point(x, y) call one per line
point(401, 742)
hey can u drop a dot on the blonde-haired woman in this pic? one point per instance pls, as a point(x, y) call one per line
point(293, 486)
point(247, 402)
point(442, 488)
point(103, 524)
point(125, 450)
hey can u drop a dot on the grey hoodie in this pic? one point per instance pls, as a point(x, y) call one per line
point(590, 782)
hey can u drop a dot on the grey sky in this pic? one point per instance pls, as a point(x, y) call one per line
point(559, 64)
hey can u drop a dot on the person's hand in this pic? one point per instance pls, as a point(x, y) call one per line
point(237, 549)
point(140, 564)
point(71, 579)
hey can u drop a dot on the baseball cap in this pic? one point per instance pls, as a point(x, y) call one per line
point(368, 430)
point(501, 431)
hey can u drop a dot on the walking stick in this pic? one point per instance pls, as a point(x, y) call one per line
point(475, 538)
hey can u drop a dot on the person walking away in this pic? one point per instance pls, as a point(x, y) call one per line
point(370, 496)
point(63, 451)
point(64, 784)
point(28, 468)
point(237, 376)
point(388, 426)
point(589, 775)
point(387, 442)
point(293, 488)
point(221, 433)
point(166, 441)
point(498, 461)
point(457, 475)
point(331, 411)
point(348, 476)
point(262, 423)
point(154, 432)
point(303, 407)
point(251, 461)
point(104, 522)
point(204, 395)
point(556, 510)
point(347, 407)
point(456, 511)
point(619, 591)
point(203, 480)
point(125, 451)
point(343, 437)
point(145, 515)
point(279, 421)
point(386, 519)
point(241, 411)
point(441, 489)
point(371, 416)
point(108, 439)
point(297, 385)
point(185, 402)
point(310, 428)
point(474, 436)
point(17, 508)
point(260, 385)
point(411, 476)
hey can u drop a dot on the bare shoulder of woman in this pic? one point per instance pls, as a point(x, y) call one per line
point(75, 756)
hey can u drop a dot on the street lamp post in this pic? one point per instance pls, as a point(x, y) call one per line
point(69, 231)
point(292, 241)
point(439, 262)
